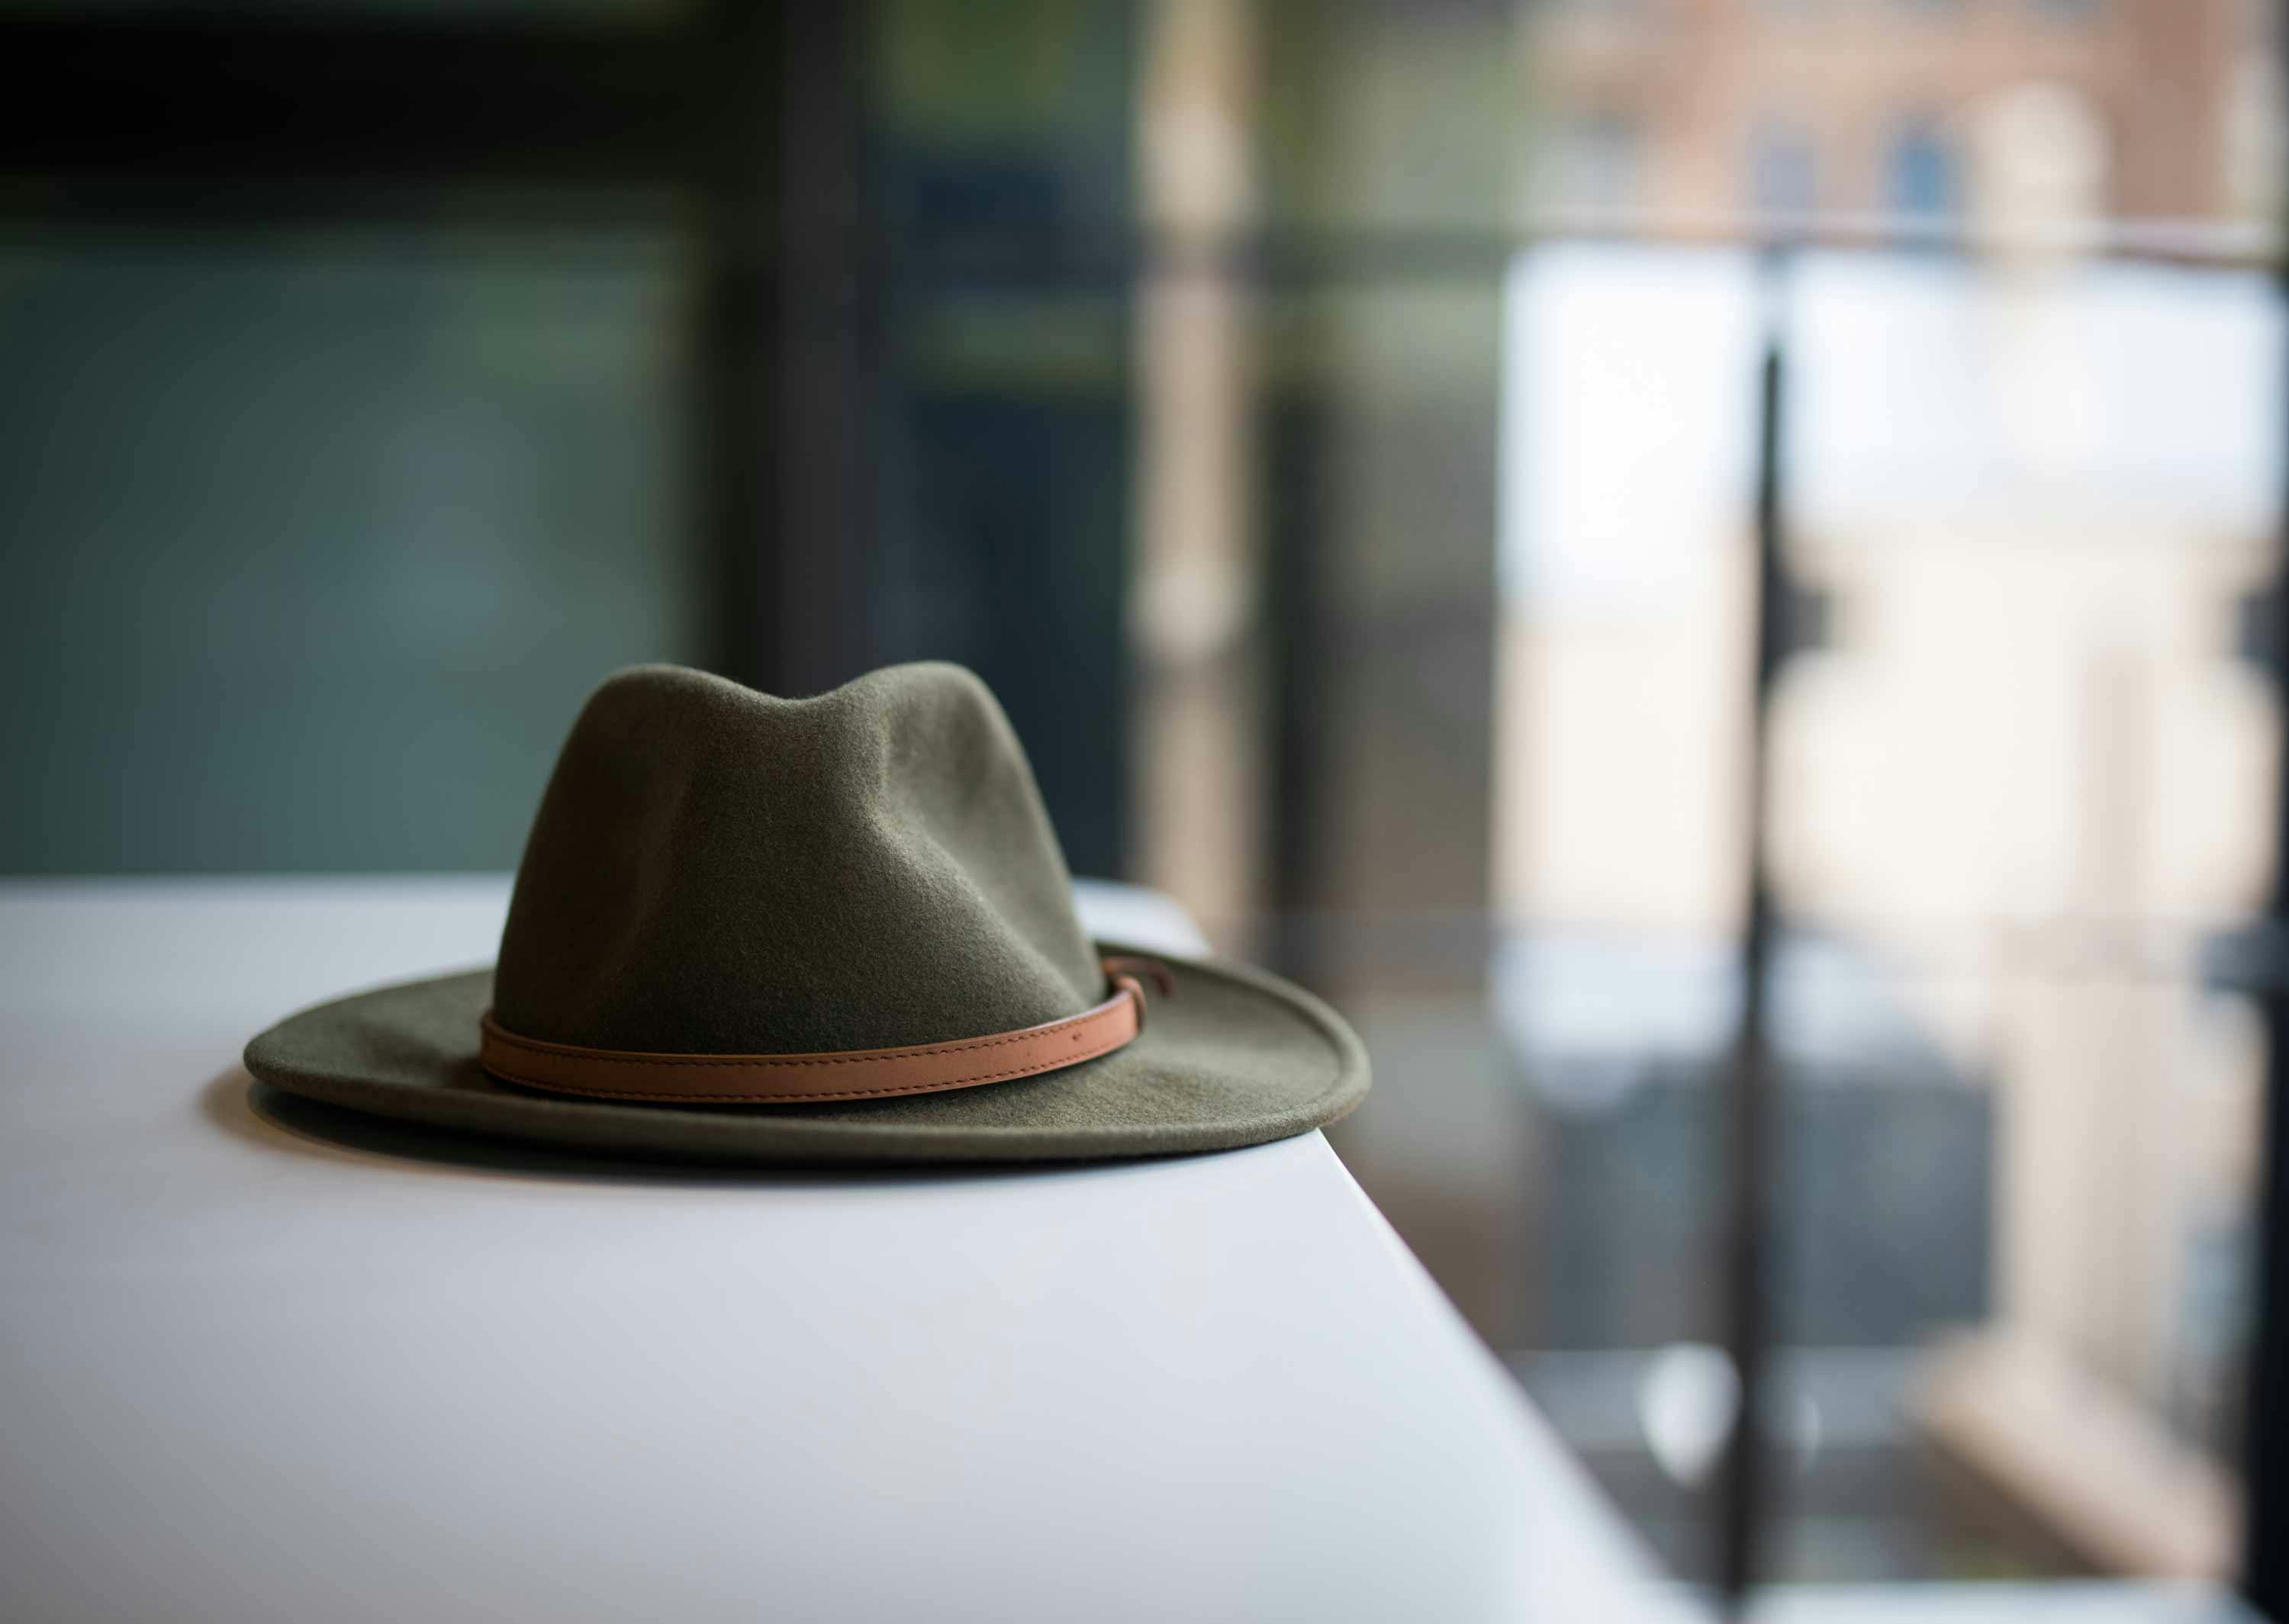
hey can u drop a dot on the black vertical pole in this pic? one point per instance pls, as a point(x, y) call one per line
point(2265, 1450)
point(2265, 1465)
point(784, 342)
point(1300, 639)
point(2265, 1559)
point(734, 332)
point(826, 396)
point(1743, 1486)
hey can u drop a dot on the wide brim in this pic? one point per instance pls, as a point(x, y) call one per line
point(1230, 1056)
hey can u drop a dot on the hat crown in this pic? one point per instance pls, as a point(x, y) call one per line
point(714, 871)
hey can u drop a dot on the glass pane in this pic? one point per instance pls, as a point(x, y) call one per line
point(2027, 783)
point(2023, 779)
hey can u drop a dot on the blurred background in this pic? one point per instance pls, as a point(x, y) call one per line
point(1509, 510)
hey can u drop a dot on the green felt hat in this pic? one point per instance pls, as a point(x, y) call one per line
point(859, 888)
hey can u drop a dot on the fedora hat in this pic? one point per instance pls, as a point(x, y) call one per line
point(834, 929)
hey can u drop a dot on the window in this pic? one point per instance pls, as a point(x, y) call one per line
point(1922, 175)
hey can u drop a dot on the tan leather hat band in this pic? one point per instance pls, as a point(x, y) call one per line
point(791, 1080)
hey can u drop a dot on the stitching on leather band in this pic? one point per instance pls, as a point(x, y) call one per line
point(559, 1067)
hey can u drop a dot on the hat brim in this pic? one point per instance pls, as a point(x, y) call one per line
point(1231, 1057)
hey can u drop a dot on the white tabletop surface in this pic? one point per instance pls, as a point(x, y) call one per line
point(258, 1363)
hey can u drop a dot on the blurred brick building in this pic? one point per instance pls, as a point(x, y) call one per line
point(1715, 107)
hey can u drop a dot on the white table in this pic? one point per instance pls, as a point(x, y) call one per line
point(283, 1369)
